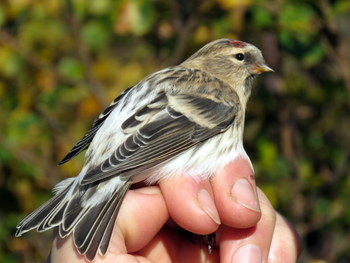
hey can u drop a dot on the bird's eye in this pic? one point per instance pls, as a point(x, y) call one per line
point(239, 56)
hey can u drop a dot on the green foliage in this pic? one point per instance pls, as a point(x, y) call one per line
point(61, 62)
point(70, 68)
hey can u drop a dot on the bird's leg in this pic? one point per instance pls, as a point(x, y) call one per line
point(209, 240)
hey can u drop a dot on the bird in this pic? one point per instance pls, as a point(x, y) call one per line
point(182, 120)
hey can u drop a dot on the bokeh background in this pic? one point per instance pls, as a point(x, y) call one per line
point(63, 61)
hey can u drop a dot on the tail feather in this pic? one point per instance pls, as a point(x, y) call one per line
point(48, 222)
point(92, 240)
point(35, 219)
point(100, 232)
point(100, 226)
point(82, 232)
point(56, 220)
point(110, 223)
point(74, 212)
point(65, 231)
point(108, 232)
point(92, 226)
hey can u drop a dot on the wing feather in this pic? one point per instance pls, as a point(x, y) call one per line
point(168, 133)
point(84, 143)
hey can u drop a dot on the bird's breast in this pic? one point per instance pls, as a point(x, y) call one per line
point(204, 159)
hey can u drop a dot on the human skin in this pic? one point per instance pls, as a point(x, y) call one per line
point(151, 220)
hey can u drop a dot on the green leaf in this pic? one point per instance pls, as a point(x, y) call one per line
point(100, 7)
point(267, 154)
point(43, 31)
point(144, 18)
point(313, 56)
point(342, 7)
point(11, 63)
point(71, 68)
point(5, 155)
point(95, 35)
point(2, 16)
point(262, 17)
point(297, 19)
point(322, 206)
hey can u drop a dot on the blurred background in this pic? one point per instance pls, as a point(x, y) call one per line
point(63, 61)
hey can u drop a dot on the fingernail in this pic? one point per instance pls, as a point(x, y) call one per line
point(244, 194)
point(208, 206)
point(247, 254)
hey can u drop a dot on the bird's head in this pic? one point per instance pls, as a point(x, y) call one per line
point(232, 61)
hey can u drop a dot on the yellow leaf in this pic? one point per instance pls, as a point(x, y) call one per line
point(45, 80)
point(89, 107)
point(229, 4)
point(165, 30)
point(202, 34)
point(124, 15)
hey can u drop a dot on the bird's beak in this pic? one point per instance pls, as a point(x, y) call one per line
point(260, 69)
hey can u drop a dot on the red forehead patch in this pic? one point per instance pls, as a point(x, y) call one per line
point(238, 43)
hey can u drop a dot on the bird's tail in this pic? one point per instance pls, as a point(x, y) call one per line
point(91, 225)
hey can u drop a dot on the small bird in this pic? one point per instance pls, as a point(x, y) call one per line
point(182, 120)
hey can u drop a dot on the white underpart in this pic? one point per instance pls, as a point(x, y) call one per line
point(204, 162)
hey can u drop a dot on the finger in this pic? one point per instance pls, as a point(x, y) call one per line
point(142, 214)
point(252, 244)
point(235, 194)
point(286, 244)
point(64, 251)
point(172, 246)
point(191, 204)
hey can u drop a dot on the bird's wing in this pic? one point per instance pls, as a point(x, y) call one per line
point(84, 143)
point(178, 121)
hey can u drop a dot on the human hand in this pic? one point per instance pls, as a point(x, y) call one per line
point(247, 227)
